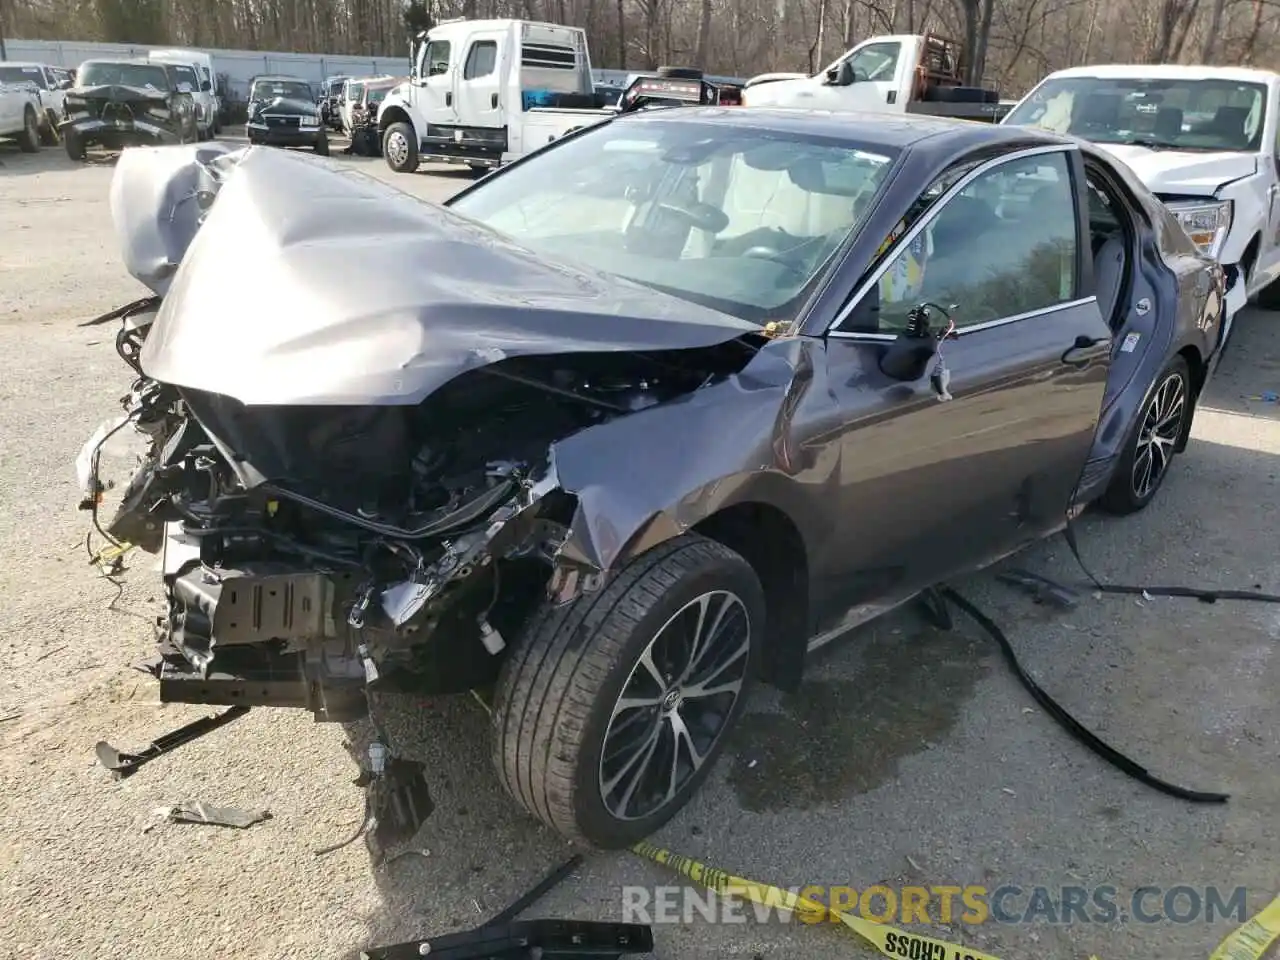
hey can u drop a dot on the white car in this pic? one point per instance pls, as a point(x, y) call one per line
point(20, 114)
point(50, 83)
point(208, 107)
point(1202, 139)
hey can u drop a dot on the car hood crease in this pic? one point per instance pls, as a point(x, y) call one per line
point(310, 284)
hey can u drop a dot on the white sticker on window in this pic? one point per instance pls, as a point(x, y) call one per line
point(1130, 342)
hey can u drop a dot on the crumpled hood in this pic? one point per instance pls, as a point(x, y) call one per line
point(1176, 171)
point(309, 283)
point(284, 106)
point(119, 93)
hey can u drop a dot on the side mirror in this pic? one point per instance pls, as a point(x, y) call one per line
point(908, 357)
point(206, 86)
point(842, 75)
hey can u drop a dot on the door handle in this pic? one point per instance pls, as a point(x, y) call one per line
point(493, 101)
point(1085, 350)
point(448, 99)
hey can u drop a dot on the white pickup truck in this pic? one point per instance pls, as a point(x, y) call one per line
point(484, 92)
point(51, 84)
point(20, 112)
point(1205, 140)
point(902, 73)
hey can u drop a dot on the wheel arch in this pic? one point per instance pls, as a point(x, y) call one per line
point(766, 537)
point(766, 524)
point(394, 114)
point(1198, 371)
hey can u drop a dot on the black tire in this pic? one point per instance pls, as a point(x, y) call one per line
point(49, 132)
point(480, 170)
point(1125, 494)
point(74, 146)
point(322, 146)
point(556, 694)
point(1268, 297)
point(679, 73)
point(29, 138)
point(405, 161)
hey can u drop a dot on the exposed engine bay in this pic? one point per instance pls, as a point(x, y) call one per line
point(311, 552)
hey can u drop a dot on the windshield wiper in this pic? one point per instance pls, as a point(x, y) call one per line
point(1150, 144)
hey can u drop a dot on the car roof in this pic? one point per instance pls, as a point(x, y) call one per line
point(134, 61)
point(1166, 71)
point(895, 131)
point(274, 77)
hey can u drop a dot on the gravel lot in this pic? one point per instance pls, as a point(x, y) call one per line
point(912, 756)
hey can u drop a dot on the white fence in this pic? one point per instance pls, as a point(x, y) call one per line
point(241, 66)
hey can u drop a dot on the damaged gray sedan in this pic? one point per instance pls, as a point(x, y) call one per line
point(648, 414)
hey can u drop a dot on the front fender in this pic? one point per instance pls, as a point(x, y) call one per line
point(653, 475)
point(158, 198)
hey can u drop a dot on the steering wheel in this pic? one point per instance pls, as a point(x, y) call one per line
point(702, 216)
point(774, 256)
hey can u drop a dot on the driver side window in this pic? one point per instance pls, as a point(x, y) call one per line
point(436, 58)
point(875, 61)
point(1005, 245)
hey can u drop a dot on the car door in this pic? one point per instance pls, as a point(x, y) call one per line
point(434, 86)
point(937, 482)
point(478, 91)
point(875, 71)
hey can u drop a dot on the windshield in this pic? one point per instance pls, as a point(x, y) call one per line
point(354, 90)
point(185, 75)
point(1170, 114)
point(23, 75)
point(141, 75)
point(289, 89)
point(741, 220)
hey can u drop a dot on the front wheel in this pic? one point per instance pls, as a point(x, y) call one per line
point(322, 146)
point(400, 147)
point(29, 138)
point(49, 132)
point(1152, 442)
point(611, 710)
point(74, 146)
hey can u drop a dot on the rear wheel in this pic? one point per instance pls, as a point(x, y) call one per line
point(29, 138)
point(1151, 444)
point(611, 710)
point(400, 148)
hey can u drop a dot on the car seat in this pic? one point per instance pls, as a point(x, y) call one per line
point(1228, 122)
point(1108, 273)
point(1168, 123)
point(1095, 110)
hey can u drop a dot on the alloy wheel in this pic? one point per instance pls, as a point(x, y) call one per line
point(397, 148)
point(1158, 436)
point(674, 705)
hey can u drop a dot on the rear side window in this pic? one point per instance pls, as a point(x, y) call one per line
point(481, 59)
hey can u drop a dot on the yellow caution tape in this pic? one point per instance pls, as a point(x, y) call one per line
point(890, 941)
point(1250, 942)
